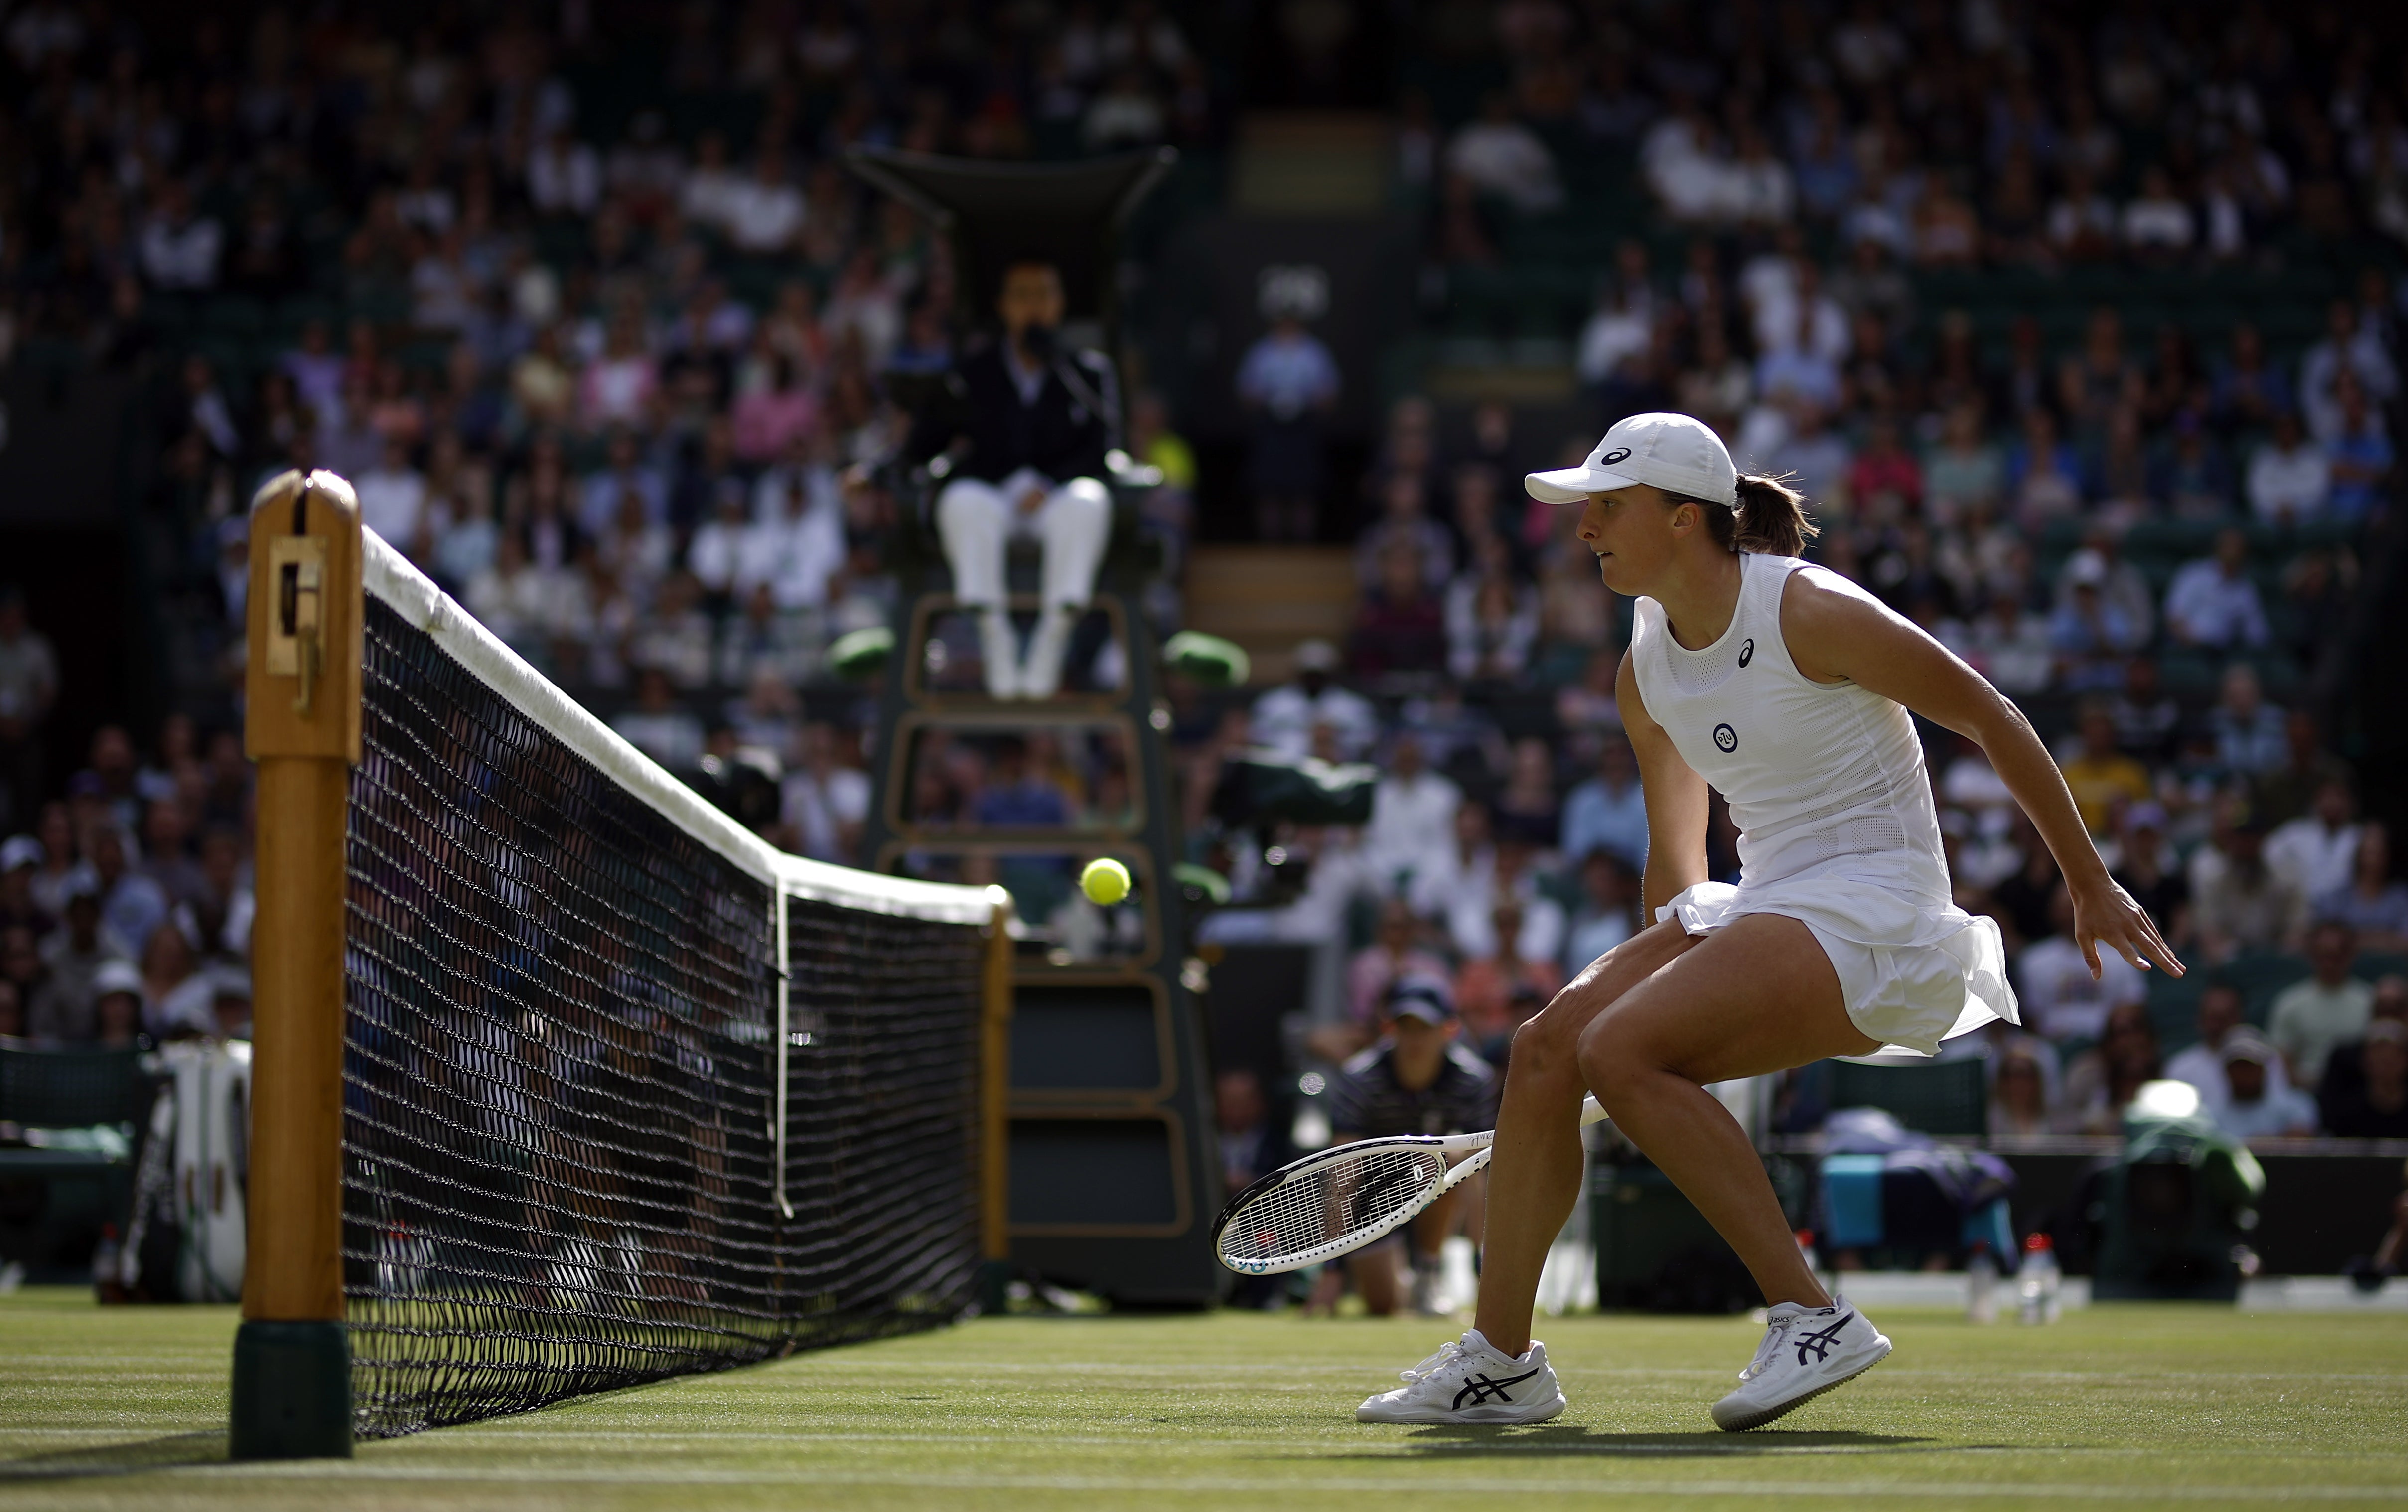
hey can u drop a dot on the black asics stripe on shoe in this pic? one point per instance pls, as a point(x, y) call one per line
point(1821, 1340)
point(1480, 1389)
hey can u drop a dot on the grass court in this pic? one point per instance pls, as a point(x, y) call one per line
point(2170, 1405)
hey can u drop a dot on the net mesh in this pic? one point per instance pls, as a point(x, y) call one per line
point(559, 1079)
point(1295, 1221)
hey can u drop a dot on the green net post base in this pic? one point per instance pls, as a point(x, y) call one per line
point(995, 1287)
point(292, 1391)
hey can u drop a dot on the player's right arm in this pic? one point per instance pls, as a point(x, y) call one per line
point(1675, 795)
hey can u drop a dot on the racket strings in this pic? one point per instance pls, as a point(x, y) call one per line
point(1330, 1203)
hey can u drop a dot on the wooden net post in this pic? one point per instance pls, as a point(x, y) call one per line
point(291, 1357)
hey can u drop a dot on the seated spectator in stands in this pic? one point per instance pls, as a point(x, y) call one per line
point(1499, 155)
point(2254, 1107)
point(1396, 953)
point(2290, 477)
point(2237, 901)
point(2201, 1064)
point(620, 386)
point(1607, 914)
point(2090, 633)
point(763, 212)
point(2102, 778)
point(658, 726)
point(621, 475)
point(2156, 224)
point(116, 1007)
point(1405, 522)
point(2190, 477)
point(1287, 383)
point(1489, 983)
point(2350, 349)
point(823, 799)
point(168, 852)
point(2008, 644)
point(1285, 718)
point(2148, 867)
point(1964, 469)
point(1607, 812)
point(2147, 718)
point(2330, 1007)
point(2103, 1081)
point(2250, 734)
point(2372, 902)
point(2023, 1089)
point(132, 904)
point(393, 499)
point(2043, 475)
point(1616, 339)
point(2316, 851)
point(180, 247)
point(771, 416)
point(176, 992)
point(1413, 814)
point(1525, 810)
point(2213, 602)
point(2360, 458)
point(2377, 1106)
point(1399, 627)
point(60, 1009)
point(2059, 997)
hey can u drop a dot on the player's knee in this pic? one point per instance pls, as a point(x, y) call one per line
point(1612, 1057)
point(1541, 1047)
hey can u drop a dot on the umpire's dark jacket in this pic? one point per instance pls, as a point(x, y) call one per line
point(1063, 436)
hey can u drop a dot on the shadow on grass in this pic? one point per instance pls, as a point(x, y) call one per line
point(1468, 1443)
point(133, 1458)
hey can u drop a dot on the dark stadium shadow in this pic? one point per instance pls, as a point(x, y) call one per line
point(1571, 1439)
point(133, 1459)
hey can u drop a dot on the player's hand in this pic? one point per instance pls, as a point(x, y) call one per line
point(2105, 914)
point(1032, 501)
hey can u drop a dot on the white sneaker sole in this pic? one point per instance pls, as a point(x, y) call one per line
point(1377, 1411)
point(1740, 1419)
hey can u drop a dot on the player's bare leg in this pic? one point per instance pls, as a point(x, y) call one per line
point(1534, 1177)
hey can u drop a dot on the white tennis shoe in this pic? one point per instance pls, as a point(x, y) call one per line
point(1471, 1381)
point(1806, 1352)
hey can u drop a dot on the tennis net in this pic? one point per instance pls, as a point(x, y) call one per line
point(627, 1092)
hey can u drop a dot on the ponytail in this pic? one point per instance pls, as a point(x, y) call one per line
point(1770, 519)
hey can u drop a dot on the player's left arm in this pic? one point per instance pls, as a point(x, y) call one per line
point(1835, 636)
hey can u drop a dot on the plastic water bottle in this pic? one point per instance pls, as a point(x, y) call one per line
point(1982, 1286)
point(2036, 1283)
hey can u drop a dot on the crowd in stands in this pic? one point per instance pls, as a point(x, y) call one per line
point(615, 369)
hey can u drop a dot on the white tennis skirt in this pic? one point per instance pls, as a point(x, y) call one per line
point(1913, 971)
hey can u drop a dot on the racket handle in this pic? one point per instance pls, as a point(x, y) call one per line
point(1593, 1112)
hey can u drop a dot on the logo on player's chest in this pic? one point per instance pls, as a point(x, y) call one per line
point(1747, 650)
point(1725, 739)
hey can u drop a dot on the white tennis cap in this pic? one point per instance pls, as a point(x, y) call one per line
point(1674, 453)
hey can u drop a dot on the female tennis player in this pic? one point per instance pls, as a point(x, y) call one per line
point(1788, 688)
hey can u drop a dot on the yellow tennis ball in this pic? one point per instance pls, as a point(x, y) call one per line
point(1105, 880)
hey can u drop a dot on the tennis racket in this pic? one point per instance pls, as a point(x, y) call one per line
point(1335, 1202)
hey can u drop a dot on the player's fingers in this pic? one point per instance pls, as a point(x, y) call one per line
point(2124, 948)
point(2162, 953)
point(2089, 944)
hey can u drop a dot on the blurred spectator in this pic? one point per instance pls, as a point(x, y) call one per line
point(180, 247)
point(2055, 986)
point(1396, 953)
point(1608, 812)
point(2022, 1101)
point(658, 727)
point(1606, 915)
point(1285, 718)
point(2103, 1081)
point(2330, 1007)
point(2361, 459)
point(2202, 1063)
point(1412, 813)
point(62, 1006)
point(116, 1007)
point(1491, 985)
point(2377, 1106)
point(1287, 383)
point(2290, 477)
point(2237, 901)
point(393, 498)
point(1399, 628)
point(2349, 350)
point(2316, 851)
point(2103, 776)
point(2250, 734)
point(2090, 632)
point(2254, 1107)
point(823, 800)
point(29, 685)
point(1498, 155)
point(2147, 866)
point(2214, 602)
point(2372, 902)
point(1525, 810)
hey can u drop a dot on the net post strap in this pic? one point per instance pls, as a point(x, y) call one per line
point(785, 1042)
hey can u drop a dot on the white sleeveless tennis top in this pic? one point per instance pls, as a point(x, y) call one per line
point(1836, 826)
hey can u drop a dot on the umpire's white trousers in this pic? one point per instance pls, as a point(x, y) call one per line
point(978, 521)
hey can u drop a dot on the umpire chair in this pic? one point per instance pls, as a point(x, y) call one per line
point(1112, 1178)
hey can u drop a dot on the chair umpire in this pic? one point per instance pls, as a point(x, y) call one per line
point(1018, 435)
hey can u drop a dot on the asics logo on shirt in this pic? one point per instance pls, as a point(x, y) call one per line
point(1747, 650)
point(1480, 1389)
point(1821, 1340)
point(1726, 738)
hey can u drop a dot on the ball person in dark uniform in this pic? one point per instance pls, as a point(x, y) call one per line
point(1019, 432)
point(1417, 1080)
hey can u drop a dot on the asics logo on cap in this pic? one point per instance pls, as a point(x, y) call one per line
point(1617, 454)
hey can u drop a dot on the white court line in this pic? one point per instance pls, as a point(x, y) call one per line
point(1413, 1486)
